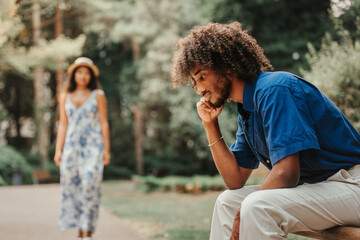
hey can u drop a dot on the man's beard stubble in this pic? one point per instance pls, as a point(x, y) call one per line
point(223, 88)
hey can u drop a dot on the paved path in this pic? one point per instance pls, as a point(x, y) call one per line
point(31, 213)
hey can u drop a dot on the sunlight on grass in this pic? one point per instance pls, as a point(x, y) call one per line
point(163, 215)
point(178, 216)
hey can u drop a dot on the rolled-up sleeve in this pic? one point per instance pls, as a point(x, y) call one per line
point(243, 154)
point(287, 126)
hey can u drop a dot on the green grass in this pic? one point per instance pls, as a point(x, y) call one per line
point(163, 215)
point(195, 184)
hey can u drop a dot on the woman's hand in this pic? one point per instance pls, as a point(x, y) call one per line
point(106, 158)
point(206, 111)
point(57, 158)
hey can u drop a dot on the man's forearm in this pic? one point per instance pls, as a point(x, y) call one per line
point(274, 181)
point(285, 174)
point(224, 159)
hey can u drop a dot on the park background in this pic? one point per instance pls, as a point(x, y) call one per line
point(155, 130)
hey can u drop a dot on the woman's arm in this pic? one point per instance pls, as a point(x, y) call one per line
point(104, 124)
point(60, 139)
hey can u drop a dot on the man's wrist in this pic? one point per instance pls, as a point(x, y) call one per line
point(212, 130)
point(212, 124)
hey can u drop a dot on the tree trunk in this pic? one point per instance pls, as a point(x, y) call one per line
point(138, 134)
point(59, 73)
point(58, 27)
point(40, 104)
point(138, 121)
point(17, 112)
point(135, 48)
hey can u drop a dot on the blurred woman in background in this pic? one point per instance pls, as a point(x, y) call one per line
point(82, 147)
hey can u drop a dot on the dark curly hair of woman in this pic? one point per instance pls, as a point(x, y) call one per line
point(224, 48)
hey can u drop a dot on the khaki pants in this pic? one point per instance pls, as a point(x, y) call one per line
point(272, 214)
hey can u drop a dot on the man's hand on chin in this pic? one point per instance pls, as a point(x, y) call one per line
point(206, 110)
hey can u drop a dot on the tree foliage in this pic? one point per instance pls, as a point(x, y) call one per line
point(19, 55)
point(154, 28)
point(11, 161)
point(283, 28)
point(335, 70)
point(132, 43)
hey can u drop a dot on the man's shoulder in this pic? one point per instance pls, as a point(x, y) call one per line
point(273, 79)
point(276, 83)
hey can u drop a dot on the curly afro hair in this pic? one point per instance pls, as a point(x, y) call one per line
point(224, 48)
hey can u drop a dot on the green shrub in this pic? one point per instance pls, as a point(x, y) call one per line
point(33, 159)
point(2, 181)
point(114, 172)
point(11, 161)
point(53, 169)
point(4, 115)
point(255, 180)
point(195, 184)
point(335, 70)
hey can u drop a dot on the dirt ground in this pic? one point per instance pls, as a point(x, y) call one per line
point(31, 213)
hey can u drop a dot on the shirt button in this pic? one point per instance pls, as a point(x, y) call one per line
point(268, 161)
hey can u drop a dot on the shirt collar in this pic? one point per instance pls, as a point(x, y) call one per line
point(248, 94)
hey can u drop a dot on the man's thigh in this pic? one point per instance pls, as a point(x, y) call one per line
point(316, 206)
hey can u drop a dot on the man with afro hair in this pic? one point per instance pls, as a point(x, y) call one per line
point(285, 123)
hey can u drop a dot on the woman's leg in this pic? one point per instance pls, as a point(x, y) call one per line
point(86, 233)
point(91, 178)
point(80, 233)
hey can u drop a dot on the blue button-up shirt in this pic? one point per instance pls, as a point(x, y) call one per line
point(283, 114)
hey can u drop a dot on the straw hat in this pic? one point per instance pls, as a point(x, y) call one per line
point(83, 62)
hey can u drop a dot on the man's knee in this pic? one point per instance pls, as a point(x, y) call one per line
point(257, 203)
point(232, 198)
point(226, 198)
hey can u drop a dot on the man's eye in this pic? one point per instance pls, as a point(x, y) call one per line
point(202, 77)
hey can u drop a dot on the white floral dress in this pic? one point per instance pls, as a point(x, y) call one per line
point(81, 166)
